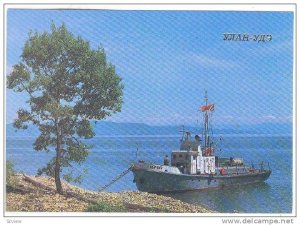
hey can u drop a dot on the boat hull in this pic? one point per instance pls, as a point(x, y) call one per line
point(156, 181)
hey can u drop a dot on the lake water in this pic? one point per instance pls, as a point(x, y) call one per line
point(112, 155)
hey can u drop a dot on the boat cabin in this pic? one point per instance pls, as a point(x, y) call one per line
point(191, 158)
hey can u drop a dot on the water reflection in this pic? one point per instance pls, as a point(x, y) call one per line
point(242, 199)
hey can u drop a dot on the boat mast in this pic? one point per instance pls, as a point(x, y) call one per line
point(183, 132)
point(206, 137)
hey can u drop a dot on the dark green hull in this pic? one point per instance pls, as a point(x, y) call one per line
point(158, 181)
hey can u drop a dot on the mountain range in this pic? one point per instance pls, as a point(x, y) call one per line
point(113, 128)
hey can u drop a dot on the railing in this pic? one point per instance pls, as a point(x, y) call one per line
point(242, 169)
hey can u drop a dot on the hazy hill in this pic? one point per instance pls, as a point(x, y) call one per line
point(112, 128)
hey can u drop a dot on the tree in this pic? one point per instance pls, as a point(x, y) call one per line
point(69, 84)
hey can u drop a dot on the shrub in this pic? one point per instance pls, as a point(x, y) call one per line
point(10, 172)
point(105, 207)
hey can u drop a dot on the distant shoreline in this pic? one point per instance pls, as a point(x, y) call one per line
point(171, 135)
point(111, 129)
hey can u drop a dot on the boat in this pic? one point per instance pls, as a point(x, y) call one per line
point(195, 166)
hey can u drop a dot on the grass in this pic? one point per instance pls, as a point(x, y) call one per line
point(11, 180)
point(105, 207)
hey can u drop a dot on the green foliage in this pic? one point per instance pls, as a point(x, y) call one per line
point(10, 172)
point(48, 169)
point(69, 177)
point(105, 207)
point(68, 84)
point(9, 169)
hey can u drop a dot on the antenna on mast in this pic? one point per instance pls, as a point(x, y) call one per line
point(206, 140)
point(206, 110)
point(183, 132)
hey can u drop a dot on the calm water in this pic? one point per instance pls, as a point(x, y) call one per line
point(112, 155)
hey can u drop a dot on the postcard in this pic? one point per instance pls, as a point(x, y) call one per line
point(149, 110)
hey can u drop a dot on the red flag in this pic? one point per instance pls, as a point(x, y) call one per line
point(209, 107)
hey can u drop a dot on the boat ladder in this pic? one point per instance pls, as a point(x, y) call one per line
point(116, 178)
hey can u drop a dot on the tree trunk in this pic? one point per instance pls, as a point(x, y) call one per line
point(57, 162)
point(57, 172)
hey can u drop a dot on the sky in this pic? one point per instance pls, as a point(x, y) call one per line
point(168, 59)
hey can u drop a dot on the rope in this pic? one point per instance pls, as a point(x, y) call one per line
point(116, 179)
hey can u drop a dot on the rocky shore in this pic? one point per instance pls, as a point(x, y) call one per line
point(37, 194)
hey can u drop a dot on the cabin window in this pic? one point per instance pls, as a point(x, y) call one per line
point(174, 156)
point(186, 157)
point(180, 156)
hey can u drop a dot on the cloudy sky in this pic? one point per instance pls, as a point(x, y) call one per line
point(167, 60)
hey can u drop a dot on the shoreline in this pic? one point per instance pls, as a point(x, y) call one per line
point(37, 194)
